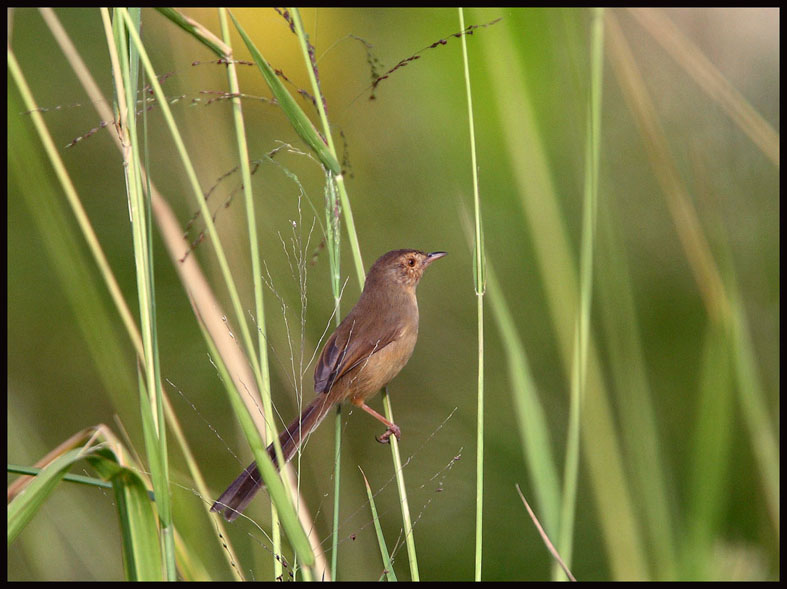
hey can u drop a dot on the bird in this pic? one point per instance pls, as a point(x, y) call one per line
point(365, 352)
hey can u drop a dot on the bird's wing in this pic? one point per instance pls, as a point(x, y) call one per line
point(344, 351)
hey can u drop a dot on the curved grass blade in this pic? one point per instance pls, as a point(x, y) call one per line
point(141, 544)
point(141, 547)
point(24, 507)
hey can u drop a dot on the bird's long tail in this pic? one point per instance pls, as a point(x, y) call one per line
point(238, 495)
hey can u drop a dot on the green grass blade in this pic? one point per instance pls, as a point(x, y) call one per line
point(479, 278)
point(710, 454)
point(76, 275)
point(582, 329)
point(197, 31)
point(751, 395)
point(199, 198)
point(409, 538)
point(333, 246)
point(256, 270)
point(540, 202)
point(139, 532)
point(298, 119)
point(270, 476)
point(335, 210)
point(533, 424)
point(141, 548)
point(126, 25)
point(633, 393)
point(24, 506)
point(390, 574)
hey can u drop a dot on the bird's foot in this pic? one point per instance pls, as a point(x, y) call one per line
point(393, 429)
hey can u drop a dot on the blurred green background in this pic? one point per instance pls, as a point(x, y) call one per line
point(409, 181)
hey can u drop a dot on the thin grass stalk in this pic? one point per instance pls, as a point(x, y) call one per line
point(83, 280)
point(715, 296)
point(155, 436)
point(333, 238)
point(334, 256)
point(254, 242)
point(74, 202)
point(169, 531)
point(202, 488)
point(337, 487)
point(582, 334)
point(544, 537)
point(199, 198)
point(31, 471)
point(54, 158)
point(480, 287)
point(172, 238)
point(407, 524)
point(277, 490)
point(409, 538)
point(271, 432)
point(390, 574)
point(151, 405)
point(169, 233)
point(541, 211)
point(355, 248)
point(295, 532)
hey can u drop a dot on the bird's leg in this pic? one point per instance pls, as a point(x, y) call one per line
point(392, 427)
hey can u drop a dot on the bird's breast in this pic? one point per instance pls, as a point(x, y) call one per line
point(381, 367)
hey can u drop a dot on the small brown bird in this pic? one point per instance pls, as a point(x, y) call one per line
point(368, 349)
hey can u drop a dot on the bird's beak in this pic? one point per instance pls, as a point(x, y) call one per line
point(432, 257)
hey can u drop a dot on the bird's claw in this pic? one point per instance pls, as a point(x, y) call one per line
point(384, 438)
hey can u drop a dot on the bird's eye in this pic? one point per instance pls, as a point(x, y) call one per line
point(411, 261)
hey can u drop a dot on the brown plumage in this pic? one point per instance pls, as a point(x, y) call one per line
point(365, 352)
